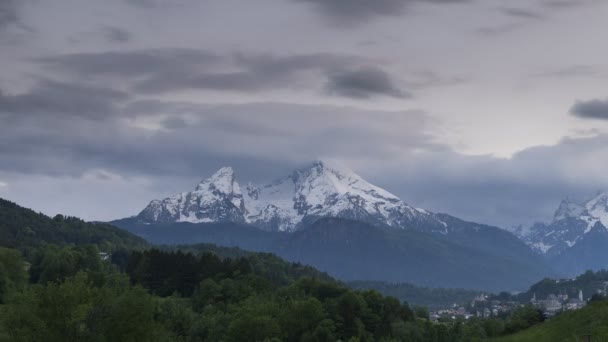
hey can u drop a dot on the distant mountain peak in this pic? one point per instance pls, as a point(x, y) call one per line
point(571, 223)
point(217, 198)
point(567, 209)
point(323, 189)
point(223, 180)
point(598, 207)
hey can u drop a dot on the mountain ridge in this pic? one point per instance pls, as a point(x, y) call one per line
point(324, 189)
point(355, 250)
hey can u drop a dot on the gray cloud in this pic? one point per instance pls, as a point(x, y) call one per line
point(252, 74)
point(573, 71)
point(50, 98)
point(355, 12)
point(497, 30)
point(364, 83)
point(521, 13)
point(8, 13)
point(501, 191)
point(116, 35)
point(537, 10)
point(128, 64)
point(173, 144)
point(169, 70)
point(592, 109)
point(265, 140)
point(189, 136)
point(174, 123)
point(150, 4)
point(565, 4)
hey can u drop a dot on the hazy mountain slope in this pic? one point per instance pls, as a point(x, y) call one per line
point(354, 250)
point(359, 251)
point(432, 298)
point(223, 234)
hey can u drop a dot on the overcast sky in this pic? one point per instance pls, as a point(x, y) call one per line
point(489, 110)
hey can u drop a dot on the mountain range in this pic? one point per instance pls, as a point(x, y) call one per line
point(325, 189)
point(329, 217)
point(576, 239)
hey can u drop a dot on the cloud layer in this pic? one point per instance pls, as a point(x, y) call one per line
point(112, 137)
point(157, 71)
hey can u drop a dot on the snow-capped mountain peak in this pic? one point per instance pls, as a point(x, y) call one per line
point(223, 181)
point(327, 180)
point(571, 223)
point(217, 198)
point(598, 207)
point(567, 209)
point(324, 189)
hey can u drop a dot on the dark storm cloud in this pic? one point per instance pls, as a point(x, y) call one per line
point(354, 12)
point(116, 35)
point(364, 83)
point(249, 73)
point(51, 98)
point(169, 70)
point(194, 137)
point(592, 109)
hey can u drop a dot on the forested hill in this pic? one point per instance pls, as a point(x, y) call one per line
point(22, 228)
point(266, 265)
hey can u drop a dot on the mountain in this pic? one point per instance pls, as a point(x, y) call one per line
point(327, 216)
point(485, 259)
point(576, 239)
point(22, 228)
point(325, 189)
point(354, 250)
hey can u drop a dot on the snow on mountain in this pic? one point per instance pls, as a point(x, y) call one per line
point(571, 223)
point(325, 189)
point(215, 199)
point(568, 209)
point(597, 207)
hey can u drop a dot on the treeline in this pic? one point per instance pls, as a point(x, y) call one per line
point(265, 264)
point(70, 294)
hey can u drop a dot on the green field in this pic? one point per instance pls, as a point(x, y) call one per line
point(568, 327)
